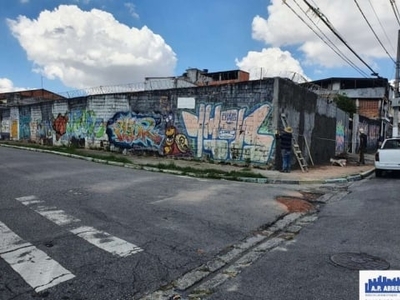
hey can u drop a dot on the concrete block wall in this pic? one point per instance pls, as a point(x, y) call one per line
point(372, 130)
point(225, 123)
point(232, 122)
point(343, 132)
point(313, 120)
point(5, 124)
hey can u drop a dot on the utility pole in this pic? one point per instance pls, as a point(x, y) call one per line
point(395, 130)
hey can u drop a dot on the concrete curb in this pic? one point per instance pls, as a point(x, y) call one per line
point(267, 180)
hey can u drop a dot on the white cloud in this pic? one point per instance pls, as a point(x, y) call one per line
point(83, 1)
point(6, 85)
point(91, 48)
point(24, 1)
point(282, 28)
point(132, 10)
point(271, 62)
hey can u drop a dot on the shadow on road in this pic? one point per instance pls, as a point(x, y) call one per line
point(391, 174)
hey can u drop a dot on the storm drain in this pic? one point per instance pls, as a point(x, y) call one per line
point(359, 261)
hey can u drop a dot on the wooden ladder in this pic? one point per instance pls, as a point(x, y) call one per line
point(296, 149)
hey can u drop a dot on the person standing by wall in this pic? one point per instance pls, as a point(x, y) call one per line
point(286, 148)
point(363, 147)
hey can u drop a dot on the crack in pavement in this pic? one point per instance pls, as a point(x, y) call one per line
point(201, 282)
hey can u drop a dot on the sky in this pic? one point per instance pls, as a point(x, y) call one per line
point(67, 45)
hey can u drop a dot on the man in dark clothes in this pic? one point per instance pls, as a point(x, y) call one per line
point(286, 148)
point(363, 146)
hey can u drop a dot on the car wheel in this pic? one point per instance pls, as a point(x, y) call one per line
point(378, 173)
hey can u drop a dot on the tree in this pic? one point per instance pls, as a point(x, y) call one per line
point(346, 104)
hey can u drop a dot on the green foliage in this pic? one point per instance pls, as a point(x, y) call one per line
point(206, 173)
point(346, 104)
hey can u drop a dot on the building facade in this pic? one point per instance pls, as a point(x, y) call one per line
point(372, 99)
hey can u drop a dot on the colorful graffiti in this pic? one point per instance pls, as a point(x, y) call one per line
point(5, 126)
point(84, 124)
point(14, 129)
point(24, 127)
point(60, 125)
point(340, 141)
point(175, 143)
point(130, 130)
point(231, 134)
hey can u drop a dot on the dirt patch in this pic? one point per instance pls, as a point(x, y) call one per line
point(311, 196)
point(295, 204)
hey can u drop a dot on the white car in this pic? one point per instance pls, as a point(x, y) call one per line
point(387, 158)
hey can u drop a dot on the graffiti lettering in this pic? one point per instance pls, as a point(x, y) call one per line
point(84, 124)
point(129, 130)
point(231, 134)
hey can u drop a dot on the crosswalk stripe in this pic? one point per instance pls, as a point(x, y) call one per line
point(106, 241)
point(33, 265)
point(101, 239)
point(56, 215)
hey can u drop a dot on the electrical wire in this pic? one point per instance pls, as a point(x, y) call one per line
point(380, 23)
point(369, 25)
point(395, 10)
point(331, 45)
point(334, 31)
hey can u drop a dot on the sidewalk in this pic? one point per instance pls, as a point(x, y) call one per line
point(316, 174)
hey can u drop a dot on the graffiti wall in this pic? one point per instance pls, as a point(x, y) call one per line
point(84, 125)
point(234, 122)
point(14, 119)
point(340, 141)
point(371, 129)
point(231, 134)
point(147, 132)
point(343, 135)
point(207, 131)
point(25, 123)
point(135, 131)
point(5, 124)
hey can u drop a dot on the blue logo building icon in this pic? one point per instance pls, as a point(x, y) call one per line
point(382, 284)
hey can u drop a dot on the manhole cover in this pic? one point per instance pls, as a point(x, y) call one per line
point(359, 261)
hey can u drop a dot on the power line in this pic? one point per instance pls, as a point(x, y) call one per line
point(366, 20)
point(330, 26)
point(380, 23)
point(331, 45)
point(395, 10)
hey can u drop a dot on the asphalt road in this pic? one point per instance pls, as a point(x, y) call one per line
point(73, 229)
point(361, 226)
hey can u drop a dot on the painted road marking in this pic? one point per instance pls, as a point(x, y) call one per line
point(101, 239)
point(35, 267)
point(56, 215)
point(106, 241)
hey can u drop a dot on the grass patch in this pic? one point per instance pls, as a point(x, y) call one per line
point(71, 150)
point(205, 173)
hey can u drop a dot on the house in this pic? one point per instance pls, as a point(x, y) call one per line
point(28, 97)
point(204, 77)
point(195, 77)
point(371, 96)
point(372, 93)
